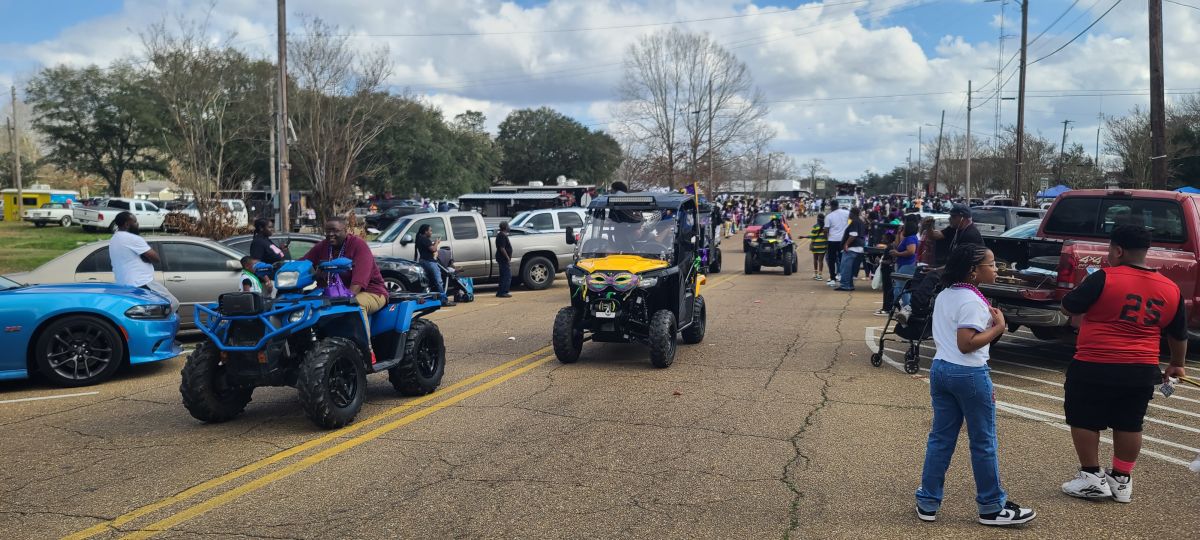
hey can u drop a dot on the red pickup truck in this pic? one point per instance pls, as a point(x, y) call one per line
point(1073, 241)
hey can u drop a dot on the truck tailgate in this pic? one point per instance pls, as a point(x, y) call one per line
point(1176, 265)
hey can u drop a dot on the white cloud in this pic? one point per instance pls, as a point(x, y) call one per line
point(801, 59)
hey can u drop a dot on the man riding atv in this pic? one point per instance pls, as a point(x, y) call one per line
point(773, 247)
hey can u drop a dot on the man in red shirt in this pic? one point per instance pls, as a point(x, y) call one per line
point(1125, 309)
point(365, 281)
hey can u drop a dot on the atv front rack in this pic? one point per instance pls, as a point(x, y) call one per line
point(216, 325)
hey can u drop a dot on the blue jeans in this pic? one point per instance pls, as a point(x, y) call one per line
point(505, 277)
point(435, 273)
point(902, 298)
point(848, 268)
point(961, 393)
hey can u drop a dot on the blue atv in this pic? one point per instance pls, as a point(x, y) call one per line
point(312, 342)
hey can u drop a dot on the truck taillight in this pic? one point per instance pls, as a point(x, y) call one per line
point(1066, 271)
point(99, 217)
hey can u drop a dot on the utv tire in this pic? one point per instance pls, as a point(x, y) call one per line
point(332, 382)
point(789, 263)
point(714, 263)
point(424, 363)
point(663, 328)
point(567, 340)
point(537, 273)
point(749, 265)
point(695, 333)
point(206, 394)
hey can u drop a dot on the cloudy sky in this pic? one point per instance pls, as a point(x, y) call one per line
point(848, 81)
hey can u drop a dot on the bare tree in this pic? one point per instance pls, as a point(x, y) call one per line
point(813, 168)
point(203, 89)
point(686, 99)
point(339, 109)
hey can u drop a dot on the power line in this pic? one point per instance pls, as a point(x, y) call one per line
point(1189, 6)
point(1084, 31)
point(1063, 14)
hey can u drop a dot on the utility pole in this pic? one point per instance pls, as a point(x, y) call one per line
point(1096, 162)
point(1158, 106)
point(16, 152)
point(1062, 154)
point(274, 164)
point(1016, 191)
point(284, 196)
point(920, 179)
point(968, 190)
point(711, 155)
point(937, 158)
point(907, 171)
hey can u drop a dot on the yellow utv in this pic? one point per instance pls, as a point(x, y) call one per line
point(637, 276)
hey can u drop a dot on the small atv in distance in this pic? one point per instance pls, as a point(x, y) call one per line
point(772, 248)
point(312, 342)
point(637, 278)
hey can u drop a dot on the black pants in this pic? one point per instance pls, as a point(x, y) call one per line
point(505, 277)
point(833, 256)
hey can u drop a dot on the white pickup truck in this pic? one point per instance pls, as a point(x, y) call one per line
point(236, 209)
point(52, 212)
point(100, 217)
point(536, 257)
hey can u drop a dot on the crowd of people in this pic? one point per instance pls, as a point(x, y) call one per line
point(1108, 385)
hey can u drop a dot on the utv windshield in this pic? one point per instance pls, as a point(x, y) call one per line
point(613, 231)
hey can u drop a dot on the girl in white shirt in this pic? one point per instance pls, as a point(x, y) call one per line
point(960, 387)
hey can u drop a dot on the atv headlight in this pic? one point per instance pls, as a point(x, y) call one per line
point(647, 282)
point(286, 280)
point(295, 316)
point(150, 311)
point(576, 279)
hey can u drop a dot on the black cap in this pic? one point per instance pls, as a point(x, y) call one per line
point(960, 209)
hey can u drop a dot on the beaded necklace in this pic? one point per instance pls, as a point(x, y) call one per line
point(974, 289)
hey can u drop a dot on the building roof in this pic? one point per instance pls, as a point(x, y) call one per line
point(509, 196)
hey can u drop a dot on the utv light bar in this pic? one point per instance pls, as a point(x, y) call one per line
point(630, 200)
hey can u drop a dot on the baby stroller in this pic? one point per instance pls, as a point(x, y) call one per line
point(917, 327)
point(461, 289)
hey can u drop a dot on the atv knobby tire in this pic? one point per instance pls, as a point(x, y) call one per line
point(327, 402)
point(206, 394)
point(663, 329)
point(424, 363)
point(789, 263)
point(752, 265)
point(695, 333)
point(567, 340)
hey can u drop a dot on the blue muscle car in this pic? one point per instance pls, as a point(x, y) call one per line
point(80, 334)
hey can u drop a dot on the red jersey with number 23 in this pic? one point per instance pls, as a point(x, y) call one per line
point(1125, 323)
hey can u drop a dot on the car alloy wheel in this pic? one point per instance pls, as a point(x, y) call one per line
point(81, 350)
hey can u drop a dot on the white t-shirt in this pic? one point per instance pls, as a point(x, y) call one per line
point(957, 308)
point(836, 222)
point(125, 250)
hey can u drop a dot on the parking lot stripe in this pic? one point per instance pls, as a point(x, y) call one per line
point(41, 398)
point(1062, 418)
point(275, 458)
point(266, 480)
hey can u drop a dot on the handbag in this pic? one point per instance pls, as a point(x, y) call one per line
point(877, 281)
point(334, 286)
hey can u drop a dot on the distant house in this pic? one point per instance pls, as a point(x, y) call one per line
point(158, 190)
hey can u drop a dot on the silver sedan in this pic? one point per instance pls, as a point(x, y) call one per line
point(195, 270)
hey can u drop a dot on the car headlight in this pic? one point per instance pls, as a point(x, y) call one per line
point(149, 311)
point(576, 279)
point(647, 282)
point(286, 280)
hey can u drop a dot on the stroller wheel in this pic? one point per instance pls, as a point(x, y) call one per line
point(912, 368)
point(877, 359)
point(910, 357)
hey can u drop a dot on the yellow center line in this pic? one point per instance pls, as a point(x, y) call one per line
point(265, 480)
point(269, 460)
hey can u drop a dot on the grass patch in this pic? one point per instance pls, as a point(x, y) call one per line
point(26, 247)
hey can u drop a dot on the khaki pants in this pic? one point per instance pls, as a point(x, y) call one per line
point(370, 303)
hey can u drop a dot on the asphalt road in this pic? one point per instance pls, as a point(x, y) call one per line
point(775, 426)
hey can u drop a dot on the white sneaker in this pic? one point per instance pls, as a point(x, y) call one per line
point(1086, 485)
point(1121, 491)
point(832, 283)
point(1011, 514)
